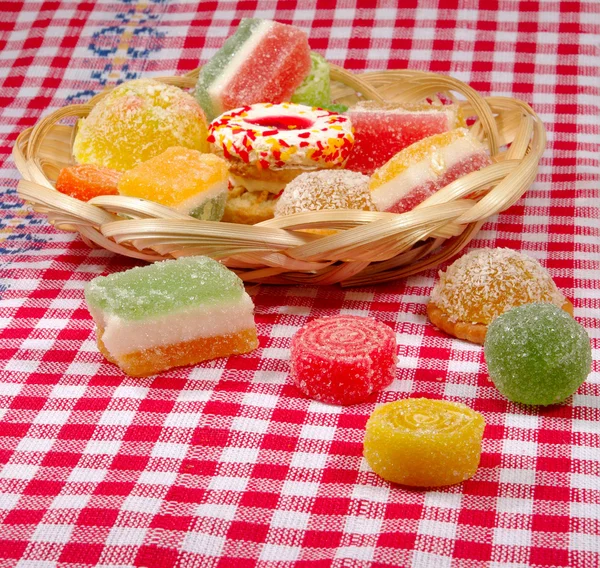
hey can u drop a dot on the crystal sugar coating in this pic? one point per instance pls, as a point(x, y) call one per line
point(325, 189)
point(186, 180)
point(424, 443)
point(86, 181)
point(137, 121)
point(537, 354)
point(484, 283)
point(171, 313)
point(315, 90)
point(343, 359)
point(381, 130)
point(421, 169)
point(263, 61)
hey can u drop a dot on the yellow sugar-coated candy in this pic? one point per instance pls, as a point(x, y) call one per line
point(137, 121)
point(186, 180)
point(424, 443)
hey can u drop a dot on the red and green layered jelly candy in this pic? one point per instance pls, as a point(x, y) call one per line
point(343, 359)
point(537, 354)
point(263, 62)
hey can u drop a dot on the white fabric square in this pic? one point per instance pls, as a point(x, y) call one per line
point(300, 488)
point(513, 505)
point(520, 448)
point(290, 519)
point(429, 560)
point(169, 450)
point(437, 529)
point(52, 533)
point(521, 476)
point(205, 544)
point(437, 499)
point(108, 447)
point(223, 483)
point(18, 471)
point(314, 432)
point(309, 461)
point(67, 391)
point(260, 400)
point(363, 525)
point(279, 553)
point(157, 477)
point(70, 501)
point(512, 537)
point(126, 536)
point(240, 455)
point(182, 419)
point(86, 475)
point(147, 505)
point(216, 511)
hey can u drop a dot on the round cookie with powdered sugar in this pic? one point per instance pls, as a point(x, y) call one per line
point(485, 283)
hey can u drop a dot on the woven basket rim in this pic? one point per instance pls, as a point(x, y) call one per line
point(365, 247)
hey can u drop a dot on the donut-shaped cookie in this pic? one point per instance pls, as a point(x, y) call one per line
point(282, 136)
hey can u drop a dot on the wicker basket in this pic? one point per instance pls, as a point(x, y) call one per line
point(367, 247)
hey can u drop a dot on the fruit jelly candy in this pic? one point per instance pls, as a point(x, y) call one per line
point(262, 62)
point(139, 120)
point(484, 283)
point(381, 130)
point(424, 443)
point(423, 168)
point(85, 181)
point(537, 354)
point(343, 359)
point(186, 180)
point(325, 189)
point(171, 313)
point(315, 90)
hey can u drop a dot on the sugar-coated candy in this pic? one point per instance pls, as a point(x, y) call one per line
point(381, 130)
point(484, 283)
point(262, 62)
point(139, 120)
point(171, 313)
point(315, 90)
point(424, 167)
point(325, 189)
point(85, 181)
point(537, 354)
point(424, 443)
point(186, 180)
point(343, 359)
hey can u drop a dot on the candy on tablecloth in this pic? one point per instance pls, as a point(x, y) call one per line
point(424, 167)
point(86, 181)
point(343, 359)
point(171, 313)
point(484, 283)
point(424, 443)
point(325, 189)
point(186, 180)
point(537, 354)
point(137, 121)
point(315, 90)
point(262, 62)
point(381, 130)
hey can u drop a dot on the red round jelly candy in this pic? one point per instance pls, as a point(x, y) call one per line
point(343, 359)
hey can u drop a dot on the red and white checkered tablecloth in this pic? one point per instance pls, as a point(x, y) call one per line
point(227, 464)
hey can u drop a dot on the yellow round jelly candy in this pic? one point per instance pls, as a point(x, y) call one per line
point(137, 121)
point(424, 443)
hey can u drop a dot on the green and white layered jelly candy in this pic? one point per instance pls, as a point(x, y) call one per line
point(171, 313)
point(262, 62)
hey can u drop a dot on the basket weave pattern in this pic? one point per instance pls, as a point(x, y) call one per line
point(367, 247)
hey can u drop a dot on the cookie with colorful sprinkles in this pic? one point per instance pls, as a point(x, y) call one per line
point(269, 145)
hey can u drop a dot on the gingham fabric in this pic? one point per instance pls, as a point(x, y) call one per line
point(227, 464)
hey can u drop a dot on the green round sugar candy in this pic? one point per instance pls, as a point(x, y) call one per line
point(537, 354)
point(315, 90)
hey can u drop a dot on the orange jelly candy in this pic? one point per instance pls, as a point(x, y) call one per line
point(424, 443)
point(85, 181)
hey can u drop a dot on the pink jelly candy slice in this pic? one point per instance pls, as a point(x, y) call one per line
point(343, 359)
point(382, 130)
